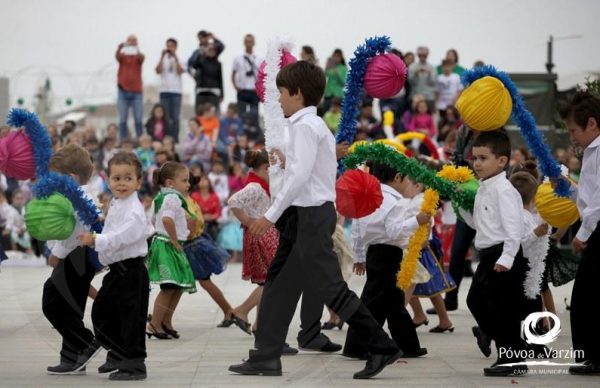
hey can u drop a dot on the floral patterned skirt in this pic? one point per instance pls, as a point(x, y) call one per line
point(258, 253)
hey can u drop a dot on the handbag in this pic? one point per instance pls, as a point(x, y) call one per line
point(562, 265)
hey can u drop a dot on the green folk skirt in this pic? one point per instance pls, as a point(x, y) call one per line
point(166, 265)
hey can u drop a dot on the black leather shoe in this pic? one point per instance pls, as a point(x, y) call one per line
point(503, 371)
point(262, 368)
point(86, 356)
point(418, 353)
point(64, 368)
point(128, 375)
point(107, 367)
point(376, 363)
point(329, 347)
point(588, 368)
point(483, 341)
point(288, 350)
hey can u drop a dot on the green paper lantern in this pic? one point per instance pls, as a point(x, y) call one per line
point(51, 218)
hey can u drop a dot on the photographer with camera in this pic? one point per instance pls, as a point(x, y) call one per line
point(205, 68)
point(169, 68)
point(129, 81)
point(245, 69)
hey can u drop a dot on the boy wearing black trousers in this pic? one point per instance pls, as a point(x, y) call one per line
point(121, 307)
point(496, 294)
point(309, 187)
point(582, 119)
point(66, 291)
point(376, 242)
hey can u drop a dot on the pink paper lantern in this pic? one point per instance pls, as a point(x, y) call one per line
point(286, 59)
point(16, 156)
point(385, 76)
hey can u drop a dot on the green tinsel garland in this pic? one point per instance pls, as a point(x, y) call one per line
point(381, 153)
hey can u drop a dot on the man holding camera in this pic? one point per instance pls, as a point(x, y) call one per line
point(205, 68)
point(129, 79)
point(245, 69)
point(169, 68)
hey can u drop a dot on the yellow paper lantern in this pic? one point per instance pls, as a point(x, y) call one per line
point(485, 105)
point(557, 211)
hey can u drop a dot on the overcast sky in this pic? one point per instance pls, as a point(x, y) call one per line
point(73, 41)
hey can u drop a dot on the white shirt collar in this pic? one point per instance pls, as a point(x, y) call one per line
point(390, 190)
point(125, 201)
point(304, 111)
point(595, 143)
point(493, 180)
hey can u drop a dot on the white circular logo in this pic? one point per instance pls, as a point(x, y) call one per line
point(530, 334)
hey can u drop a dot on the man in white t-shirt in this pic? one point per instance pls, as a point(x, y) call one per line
point(169, 68)
point(448, 87)
point(245, 70)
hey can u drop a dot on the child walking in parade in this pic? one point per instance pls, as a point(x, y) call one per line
point(309, 188)
point(248, 205)
point(121, 306)
point(167, 263)
point(375, 240)
point(582, 119)
point(66, 291)
point(496, 294)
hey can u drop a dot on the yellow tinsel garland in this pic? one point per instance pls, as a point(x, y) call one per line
point(416, 242)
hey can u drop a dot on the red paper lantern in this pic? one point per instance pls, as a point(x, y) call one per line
point(358, 194)
point(16, 156)
point(286, 59)
point(385, 76)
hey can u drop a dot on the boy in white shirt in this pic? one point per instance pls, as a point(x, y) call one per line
point(121, 307)
point(582, 119)
point(309, 187)
point(377, 243)
point(496, 294)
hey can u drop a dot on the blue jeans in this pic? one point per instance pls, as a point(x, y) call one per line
point(130, 100)
point(172, 104)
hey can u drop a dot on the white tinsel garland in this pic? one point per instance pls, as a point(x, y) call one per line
point(275, 122)
point(537, 260)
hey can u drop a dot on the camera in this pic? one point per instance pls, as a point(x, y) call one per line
point(250, 73)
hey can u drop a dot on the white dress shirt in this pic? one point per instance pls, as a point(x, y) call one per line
point(390, 224)
point(310, 167)
point(587, 194)
point(62, 248)
point(172, 208)
point(125, 231)
point(497, 217)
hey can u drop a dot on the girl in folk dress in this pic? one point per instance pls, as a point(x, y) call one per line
point(247, 205)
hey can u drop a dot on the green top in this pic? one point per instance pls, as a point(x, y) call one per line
point(332, 120)
point(458, 69)
point(336, 79)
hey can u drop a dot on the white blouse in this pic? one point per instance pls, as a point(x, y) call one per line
point(252, 199)
point(172, 208)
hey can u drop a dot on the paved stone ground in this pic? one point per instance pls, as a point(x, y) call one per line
point(202, 355)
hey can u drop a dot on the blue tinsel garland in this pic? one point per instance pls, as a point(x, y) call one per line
point(38, 136)
point(524, 119)
point(66, 185)
point(354, 85)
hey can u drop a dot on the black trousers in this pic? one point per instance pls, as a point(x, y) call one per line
point(584, 302)
point(312, 265)
point(311, 309)
point(463, 237)
point(63, 302)
point(119, 313)
point(497, 301)
point(385, 301)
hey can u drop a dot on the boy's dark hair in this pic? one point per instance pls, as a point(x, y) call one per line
point(195, 120)
point(526, 185)
point(172, 40)
point(167, 171)
point(72, 159)
point(256, 158)
point(232, 106)
point(127, 158)
point(497, 141)
point(529, 166)
point(382, 171)
point(581, 107)
point(446, 62)
point(305, 77)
